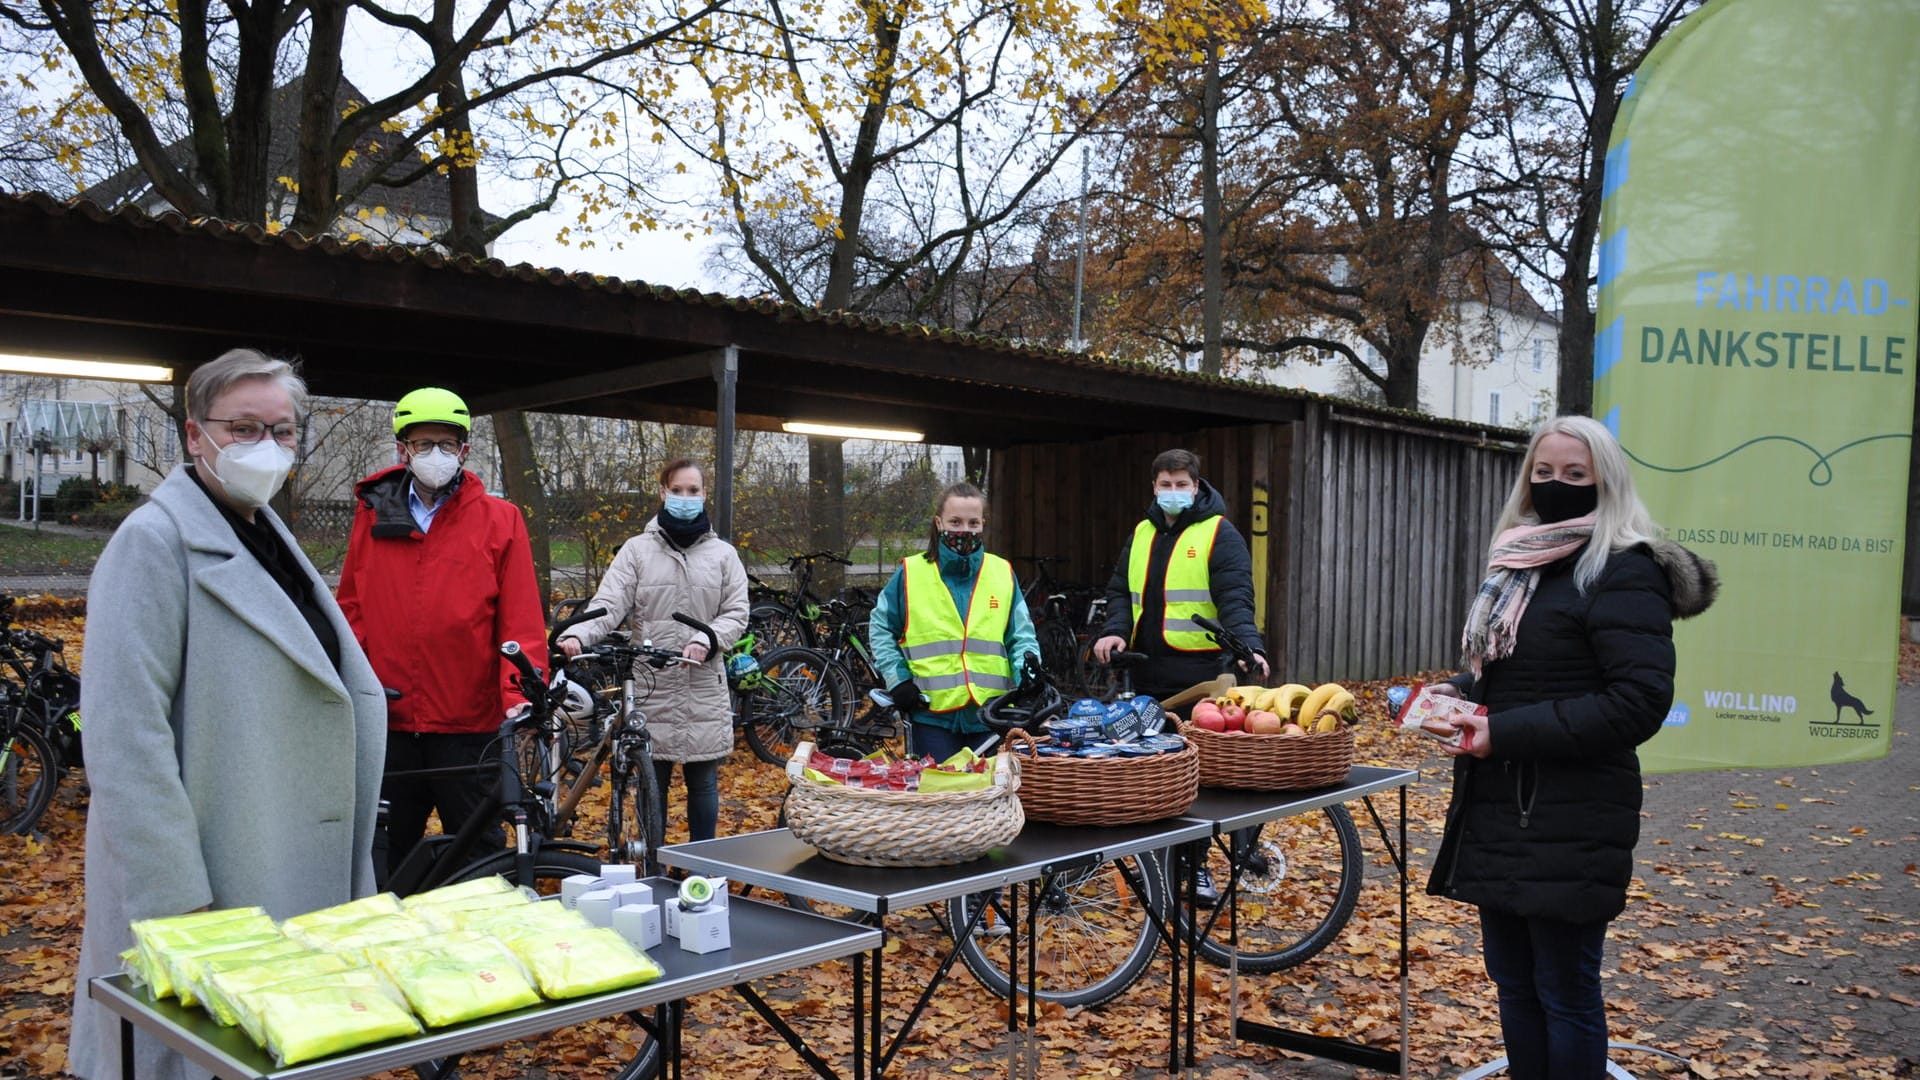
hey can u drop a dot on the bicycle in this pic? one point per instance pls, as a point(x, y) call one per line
point(1303, 873)
point(1097, 927)
point(535, 860)
point(29, 764)
point(788, 696)
point(780, 618)
point(53, 690)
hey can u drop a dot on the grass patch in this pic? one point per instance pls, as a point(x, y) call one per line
point(24, 551)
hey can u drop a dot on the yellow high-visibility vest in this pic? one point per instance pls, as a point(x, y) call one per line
point(956, 664)
point(1188, 591)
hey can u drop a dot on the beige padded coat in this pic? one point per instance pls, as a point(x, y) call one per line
point(688, 710)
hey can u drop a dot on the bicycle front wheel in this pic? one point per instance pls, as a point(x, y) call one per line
point(635, 830)
point(29, 769)
point(1092, 933)
point(795, 698)
point(1299, 882)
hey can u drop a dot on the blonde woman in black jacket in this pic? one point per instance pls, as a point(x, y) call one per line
point(1569, 643)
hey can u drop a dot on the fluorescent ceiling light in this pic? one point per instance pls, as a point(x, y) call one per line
point(85, 369)
point(848, 431)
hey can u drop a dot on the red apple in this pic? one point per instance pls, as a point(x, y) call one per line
point(1235, 716)
point(1209, 719)
point(1262, 722)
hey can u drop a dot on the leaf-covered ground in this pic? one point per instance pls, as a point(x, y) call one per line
point(1774, 932)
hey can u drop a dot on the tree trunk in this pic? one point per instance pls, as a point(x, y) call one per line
point(1574, 383)
point(973, 462)
point(317, 164)
point(826, 507)
point(1211, 240)
point(521, 479)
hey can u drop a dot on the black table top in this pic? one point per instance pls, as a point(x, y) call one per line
point(766, 939)
point(775, 860)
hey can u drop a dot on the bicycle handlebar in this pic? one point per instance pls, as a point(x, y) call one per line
point(530, 684)
point(1225, 639)
point(578, 617)
point(713, 640)
point(813, 556)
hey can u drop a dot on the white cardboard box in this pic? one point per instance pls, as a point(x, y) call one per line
point(632, 893)
point(618, 873)
point(705, 931)
point(639, 924)
point(574, 885)
point(597, 906)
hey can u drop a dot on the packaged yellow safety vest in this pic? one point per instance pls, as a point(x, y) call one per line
point(956, 664)
point(1188, 590)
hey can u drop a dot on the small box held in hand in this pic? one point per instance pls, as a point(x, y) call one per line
point(1433, 715)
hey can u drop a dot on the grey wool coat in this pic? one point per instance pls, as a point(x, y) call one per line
point(688, 711)
point(230, 764)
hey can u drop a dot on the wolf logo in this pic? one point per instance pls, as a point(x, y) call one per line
point(1843, 700)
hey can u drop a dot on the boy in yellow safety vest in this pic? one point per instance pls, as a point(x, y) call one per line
point(951, 632)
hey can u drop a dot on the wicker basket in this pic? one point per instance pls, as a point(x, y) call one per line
point(1271, 762)
point(1105, 791)
point(903, 828)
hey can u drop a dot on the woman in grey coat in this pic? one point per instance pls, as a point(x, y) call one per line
point(678, 563)
point(235, 731)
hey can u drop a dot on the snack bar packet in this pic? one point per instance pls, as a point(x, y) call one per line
point(456, 977)
point(1433, 714)
point(202, 931)
point(575, 963)
point(326, 1014)
point(935, 780)
point(222, 988)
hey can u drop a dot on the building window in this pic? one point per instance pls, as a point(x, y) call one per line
point(1493, 407)
point(1539, 355)
point(953, 471)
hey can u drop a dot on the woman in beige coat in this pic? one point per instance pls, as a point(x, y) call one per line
point(678, 563)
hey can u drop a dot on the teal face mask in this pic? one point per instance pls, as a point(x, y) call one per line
point(685, 507)
point(1174, 502)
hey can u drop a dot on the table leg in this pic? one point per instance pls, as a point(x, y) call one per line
point(859, 1017)
point(126, 1049)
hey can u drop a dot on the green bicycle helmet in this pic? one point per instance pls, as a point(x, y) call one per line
point(431, 405)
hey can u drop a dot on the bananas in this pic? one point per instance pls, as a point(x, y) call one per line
point(1283, 701)
point(1325, 708)
point(1243, 696)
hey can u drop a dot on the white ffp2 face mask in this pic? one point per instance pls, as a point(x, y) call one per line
point(252, 473)
point(436, 468)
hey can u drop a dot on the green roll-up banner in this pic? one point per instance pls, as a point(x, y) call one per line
point(1759, 283)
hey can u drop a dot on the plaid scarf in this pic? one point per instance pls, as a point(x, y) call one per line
point(1513, 572)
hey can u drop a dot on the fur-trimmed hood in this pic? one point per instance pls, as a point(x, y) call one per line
point(1695, 580)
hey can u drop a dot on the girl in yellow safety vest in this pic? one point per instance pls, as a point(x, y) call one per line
point(950, 631)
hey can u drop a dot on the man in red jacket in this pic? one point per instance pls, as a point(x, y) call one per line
point(438, 574)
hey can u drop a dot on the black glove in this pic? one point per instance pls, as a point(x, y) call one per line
point(907, 697)
point(1030, 669)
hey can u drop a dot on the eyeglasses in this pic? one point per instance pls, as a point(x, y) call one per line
point(428, 446)
point(285, 433)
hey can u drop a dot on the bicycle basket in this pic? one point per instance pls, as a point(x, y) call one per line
point(903, 828)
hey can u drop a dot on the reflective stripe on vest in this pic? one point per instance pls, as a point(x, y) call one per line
point(1186, 583)
point(953, 664)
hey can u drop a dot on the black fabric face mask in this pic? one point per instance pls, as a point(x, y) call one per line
point(1556, 501)
point(961, 543)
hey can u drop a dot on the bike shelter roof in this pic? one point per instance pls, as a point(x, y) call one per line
point(373, 322)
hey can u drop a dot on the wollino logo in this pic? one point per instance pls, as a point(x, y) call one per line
point(1857, 726)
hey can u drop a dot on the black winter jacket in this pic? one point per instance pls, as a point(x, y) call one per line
point(1546, 825)
point(1229, 579)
